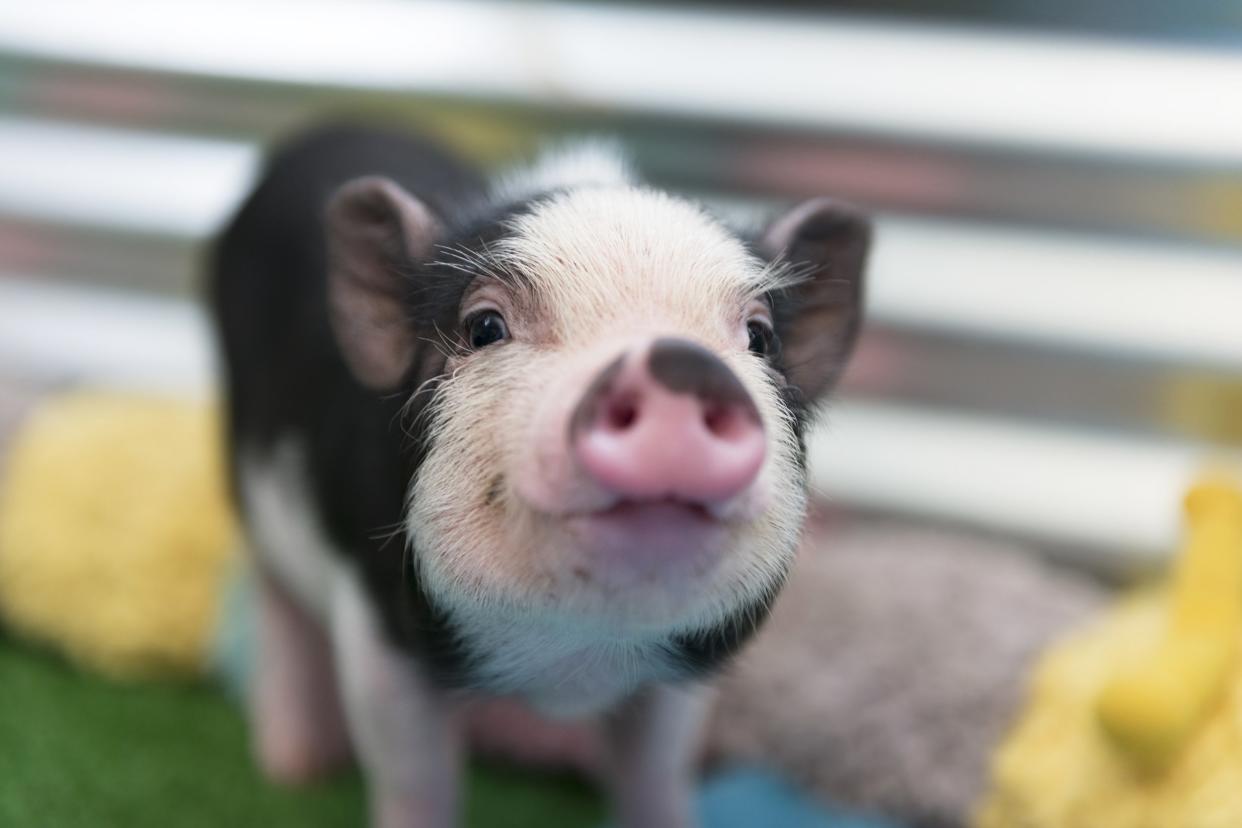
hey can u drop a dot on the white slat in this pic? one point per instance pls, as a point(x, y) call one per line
point(1038, 91)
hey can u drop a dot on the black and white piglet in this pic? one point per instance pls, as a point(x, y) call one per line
point(539, 438)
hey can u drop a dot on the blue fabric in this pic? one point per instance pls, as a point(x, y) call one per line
point(749, 798)
point(233, 647)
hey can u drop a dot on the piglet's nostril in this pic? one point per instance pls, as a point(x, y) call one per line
point(621, 414)
point(725, 422)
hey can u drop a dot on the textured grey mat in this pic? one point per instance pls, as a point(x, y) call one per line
point(893, 664)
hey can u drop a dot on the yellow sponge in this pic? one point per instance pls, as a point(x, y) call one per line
point(116, 532)
point(1152, 706)
point(1136, 722)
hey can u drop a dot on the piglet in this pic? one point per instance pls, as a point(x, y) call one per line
point(537, 439)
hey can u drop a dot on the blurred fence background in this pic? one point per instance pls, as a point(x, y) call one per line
point(1055, 344)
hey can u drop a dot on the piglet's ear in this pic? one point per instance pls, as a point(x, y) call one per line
point(376, 230)
point(818, 319)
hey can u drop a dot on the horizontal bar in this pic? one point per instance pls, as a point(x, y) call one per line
point(152, 262)
point(121, 179)
point(1140, 299)
point(897, 173)
point(1046, 93)
point(102, 336)
point(1054, 384)
point(1115, 498)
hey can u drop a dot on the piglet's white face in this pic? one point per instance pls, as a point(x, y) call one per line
point(531, 496)
point(610, 442)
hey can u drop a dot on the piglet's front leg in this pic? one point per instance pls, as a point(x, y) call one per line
point(654, 743)
point(405, 732)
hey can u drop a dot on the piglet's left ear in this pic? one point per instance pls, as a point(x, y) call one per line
point(817, 320)
point(376, 231)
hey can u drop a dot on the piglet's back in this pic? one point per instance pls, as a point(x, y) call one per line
point(283, 373)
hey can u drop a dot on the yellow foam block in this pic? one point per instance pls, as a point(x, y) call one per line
point(1151, 707)
point(1058, 769)
point(116, 532)
point(1136, 722)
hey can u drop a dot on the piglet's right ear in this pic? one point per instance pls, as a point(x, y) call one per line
point(376, 230)
point(826, 308)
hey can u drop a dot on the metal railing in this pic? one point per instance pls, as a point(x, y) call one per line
point(1054, 344)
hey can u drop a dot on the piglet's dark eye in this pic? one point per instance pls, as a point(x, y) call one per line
point(760, 337)
point(486, 328)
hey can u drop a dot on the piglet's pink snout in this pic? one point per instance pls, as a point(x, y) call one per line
point(673, 422)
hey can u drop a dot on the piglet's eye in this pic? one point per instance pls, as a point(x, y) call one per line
point(486, 328)
point(761, 337)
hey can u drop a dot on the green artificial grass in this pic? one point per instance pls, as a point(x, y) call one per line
point(80, 752)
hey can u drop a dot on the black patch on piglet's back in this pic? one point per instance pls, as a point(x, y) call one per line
point(285, 377)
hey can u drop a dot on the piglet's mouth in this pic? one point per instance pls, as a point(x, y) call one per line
point(668, 510)
point(668, 518)
point(652, 535)
point(659, 508)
